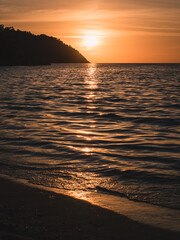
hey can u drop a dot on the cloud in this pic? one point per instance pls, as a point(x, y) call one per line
point(25, 6)
point(13, 8)
point(138, 4)
point(18, 9)
point(113, 17)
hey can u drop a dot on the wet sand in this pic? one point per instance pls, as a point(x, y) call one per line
point(32, 213)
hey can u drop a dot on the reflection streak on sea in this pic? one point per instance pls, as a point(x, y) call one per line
point(107, 128)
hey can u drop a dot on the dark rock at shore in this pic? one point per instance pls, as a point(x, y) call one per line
point(24, 48)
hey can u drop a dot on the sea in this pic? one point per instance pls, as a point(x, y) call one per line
point(106, 133)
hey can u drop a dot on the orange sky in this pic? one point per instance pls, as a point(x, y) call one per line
point(124, 31)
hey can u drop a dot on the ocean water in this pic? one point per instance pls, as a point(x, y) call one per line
point(110, 129)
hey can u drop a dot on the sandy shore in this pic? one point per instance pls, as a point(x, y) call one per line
point(32, 213)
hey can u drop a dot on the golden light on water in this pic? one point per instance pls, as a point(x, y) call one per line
point(86, 150)
point(91, 80)
point(90, 84)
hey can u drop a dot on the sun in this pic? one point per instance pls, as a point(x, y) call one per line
point(91, 41)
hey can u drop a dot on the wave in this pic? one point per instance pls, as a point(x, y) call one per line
point(119, 194)
point(113, 124)
point(139, 175)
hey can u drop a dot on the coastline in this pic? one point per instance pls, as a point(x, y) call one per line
point(28, 212)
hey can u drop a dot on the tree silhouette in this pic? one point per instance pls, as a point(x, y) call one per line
point(24, 48)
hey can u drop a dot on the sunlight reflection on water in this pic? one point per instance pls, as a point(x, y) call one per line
point(110, 129)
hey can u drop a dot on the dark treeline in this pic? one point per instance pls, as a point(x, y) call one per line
point(24, 48)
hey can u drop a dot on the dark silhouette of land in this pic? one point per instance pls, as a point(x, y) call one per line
point(24, 48)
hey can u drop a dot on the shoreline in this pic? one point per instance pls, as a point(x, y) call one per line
point(28, 212)
point(146, 213)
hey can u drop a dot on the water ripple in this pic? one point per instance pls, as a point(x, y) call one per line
point(111, 128)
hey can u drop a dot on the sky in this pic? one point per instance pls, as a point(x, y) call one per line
point(119, 31)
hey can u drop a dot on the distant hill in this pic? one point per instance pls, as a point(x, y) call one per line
point(24, 48)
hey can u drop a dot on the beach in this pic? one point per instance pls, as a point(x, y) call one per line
point(103, 133)
point(28, 212)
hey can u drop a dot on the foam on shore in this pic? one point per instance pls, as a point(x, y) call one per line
point(27, 212)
